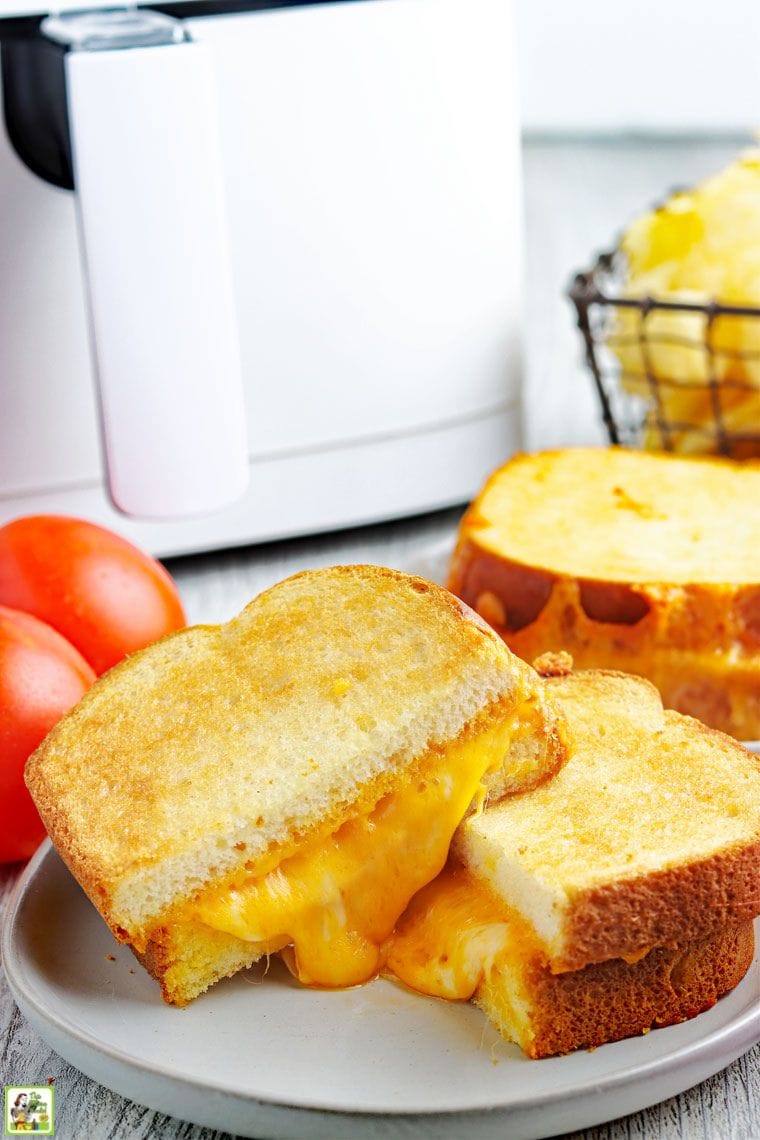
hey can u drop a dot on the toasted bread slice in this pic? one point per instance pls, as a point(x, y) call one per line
point(547, 1013)
point(649, 836)
point(615, 897)
point(205, 789)
point(458, 940)
point(640, 562)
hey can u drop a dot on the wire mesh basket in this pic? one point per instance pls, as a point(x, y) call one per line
point(672, 374)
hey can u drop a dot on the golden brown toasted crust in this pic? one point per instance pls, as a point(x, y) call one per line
point(628, 916)
point(208, 750)
point(699, 641)
point(615, 999)
point(186, 960)
point(649, 835)
point(700, 895)
point(624, 918)
point(539, 748)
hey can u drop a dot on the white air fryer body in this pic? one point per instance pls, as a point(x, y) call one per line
point(369, 157)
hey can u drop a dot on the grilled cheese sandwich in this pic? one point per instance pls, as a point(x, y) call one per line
point(338, 897)
point(617, 896)
point(632, 561)
point(288, 781)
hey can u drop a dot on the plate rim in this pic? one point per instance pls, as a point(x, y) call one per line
point(729, 1041)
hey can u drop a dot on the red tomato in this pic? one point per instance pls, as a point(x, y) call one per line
point(41, 677)
point(103, 594)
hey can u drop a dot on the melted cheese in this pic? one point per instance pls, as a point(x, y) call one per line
point(637, 956)
point(337, 899)
point(453, 934)
point(456, 935)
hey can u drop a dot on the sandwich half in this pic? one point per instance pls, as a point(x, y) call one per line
point(617, 897)
point(634, 561)
point(287, 781)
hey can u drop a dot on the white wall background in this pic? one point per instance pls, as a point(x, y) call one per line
point(639, 65)
point(610, 65)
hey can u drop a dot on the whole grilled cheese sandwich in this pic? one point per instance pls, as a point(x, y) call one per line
point(616, 897)
point(287, 781)
point(627, 560)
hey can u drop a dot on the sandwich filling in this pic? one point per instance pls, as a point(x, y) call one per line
point(454, 934)
point(457, 940)
point(331, 905)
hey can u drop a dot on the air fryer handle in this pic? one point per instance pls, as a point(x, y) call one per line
point(147, 171)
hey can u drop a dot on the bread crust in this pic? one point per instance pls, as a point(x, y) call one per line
point(628, 917)
point(186, 960)
point(699, 644)
point(614, 999)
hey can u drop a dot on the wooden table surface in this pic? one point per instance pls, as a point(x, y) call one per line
point(577, 197)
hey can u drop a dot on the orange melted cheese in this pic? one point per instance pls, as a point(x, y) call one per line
point(337, 899)
point(453, 934)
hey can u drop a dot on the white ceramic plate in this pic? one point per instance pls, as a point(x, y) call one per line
point(266, 1058)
